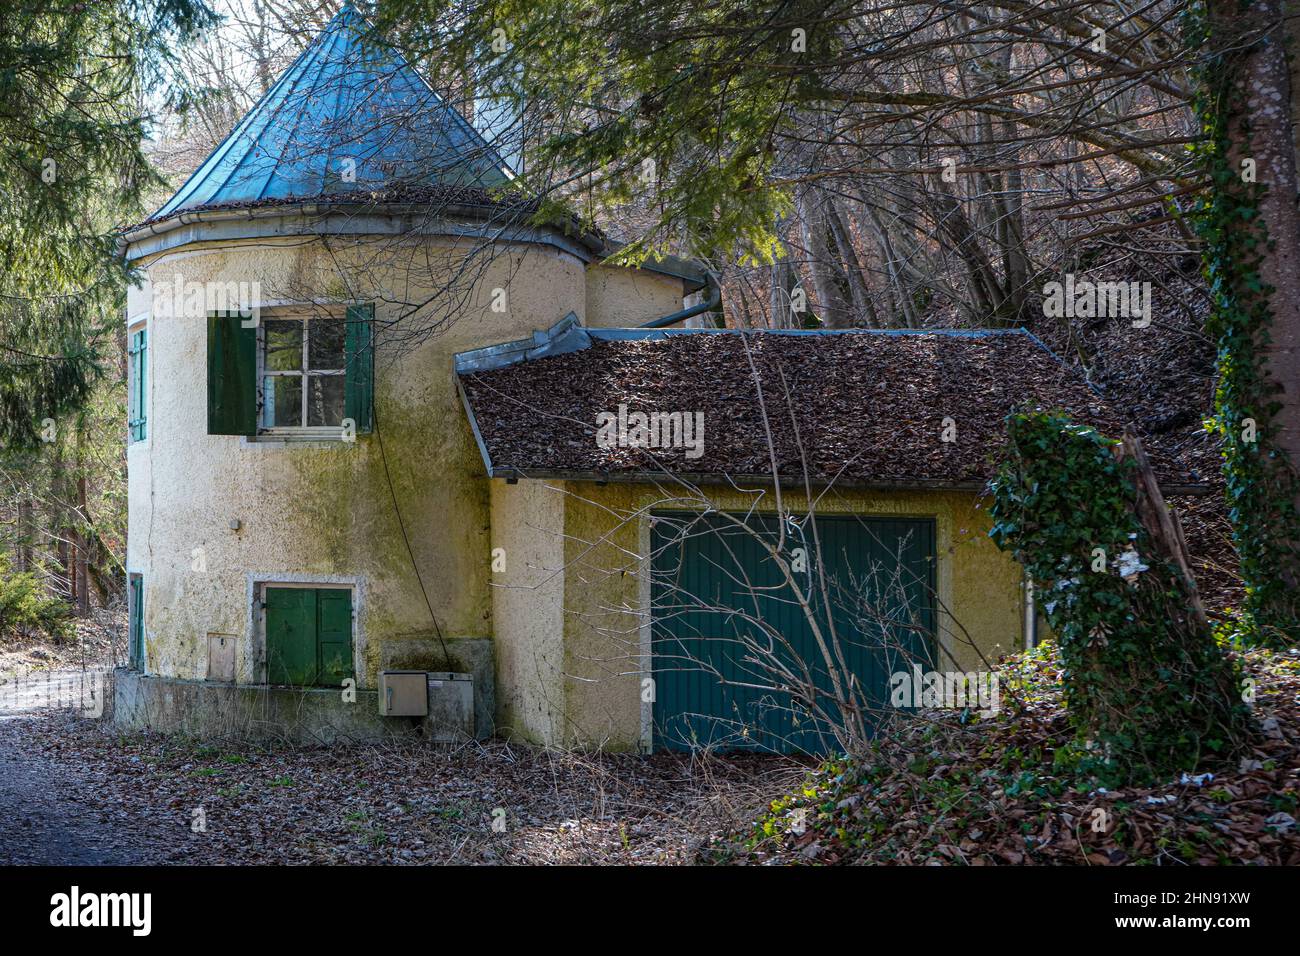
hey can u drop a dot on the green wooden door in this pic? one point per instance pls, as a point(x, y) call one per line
point(334, 616)
point(725, 624)
point(308, 636)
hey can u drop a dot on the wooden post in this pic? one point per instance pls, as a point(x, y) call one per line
point(1162, 524)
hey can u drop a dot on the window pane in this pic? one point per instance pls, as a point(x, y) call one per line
point(283, 401)
point(325, 344)
point(325, 400)
point(283, 345)
point(137, 388)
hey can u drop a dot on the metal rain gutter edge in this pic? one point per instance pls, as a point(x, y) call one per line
point(567, 335)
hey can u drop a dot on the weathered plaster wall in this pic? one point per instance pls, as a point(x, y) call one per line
point(622, 298)
point(528, 609)
point(323, 511)
point(605, 535)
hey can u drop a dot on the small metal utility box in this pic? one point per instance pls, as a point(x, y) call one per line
point(403, 693)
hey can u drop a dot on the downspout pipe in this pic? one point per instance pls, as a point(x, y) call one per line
point(711, 302)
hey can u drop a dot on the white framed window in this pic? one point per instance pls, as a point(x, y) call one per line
point(302, 364)
point(137, 383)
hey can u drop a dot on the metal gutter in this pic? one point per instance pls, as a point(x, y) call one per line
point(567, 335)
point(473, 424)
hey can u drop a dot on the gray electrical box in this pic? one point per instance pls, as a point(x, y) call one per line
point(403, 693)
point(451, 706)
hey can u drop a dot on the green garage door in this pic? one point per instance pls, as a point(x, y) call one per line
point(308, 636)
point(725, 623)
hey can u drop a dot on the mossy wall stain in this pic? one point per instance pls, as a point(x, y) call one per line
point(323, 510)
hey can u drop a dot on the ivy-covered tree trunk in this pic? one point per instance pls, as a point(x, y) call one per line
point(1149, 691)
point(1251, 225)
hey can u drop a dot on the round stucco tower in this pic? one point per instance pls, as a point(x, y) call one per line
point(297, 435)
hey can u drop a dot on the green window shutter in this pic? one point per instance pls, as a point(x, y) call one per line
point(291, 636)
point(232, 375)
point(141, 405)
point(131, 411)
point(136, 614)
point(137, 386)
point(334, 606)
point(359, 385)
point(308, 636)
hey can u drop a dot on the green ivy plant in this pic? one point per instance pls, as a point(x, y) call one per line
point(1261, 484)
point(1149, 691)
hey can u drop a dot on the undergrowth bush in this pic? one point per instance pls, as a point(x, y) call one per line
point(26, 609)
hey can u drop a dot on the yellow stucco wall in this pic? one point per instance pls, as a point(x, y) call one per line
point(528, 604)
point(565, 614)
point(323, 511)
point(605, 535)
point(623, 298)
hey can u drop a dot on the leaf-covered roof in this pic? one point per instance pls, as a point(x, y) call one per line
point(857, 407)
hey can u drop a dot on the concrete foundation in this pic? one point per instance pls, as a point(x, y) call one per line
point(300, 715)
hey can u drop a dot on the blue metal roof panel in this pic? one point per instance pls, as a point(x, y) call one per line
point(347, 114)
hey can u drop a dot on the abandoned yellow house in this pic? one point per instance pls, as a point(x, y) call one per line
point(400, 457)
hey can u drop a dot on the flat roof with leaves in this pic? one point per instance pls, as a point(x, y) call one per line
point(854, 407)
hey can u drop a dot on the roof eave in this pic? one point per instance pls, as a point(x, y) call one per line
point(693, 274)
point(510, 473)
point(359, 218)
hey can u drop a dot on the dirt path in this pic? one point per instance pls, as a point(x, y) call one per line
point(41, 819)
point(74, 792)
point(40, 825)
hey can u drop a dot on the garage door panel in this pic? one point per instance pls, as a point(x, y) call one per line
point(720, 601)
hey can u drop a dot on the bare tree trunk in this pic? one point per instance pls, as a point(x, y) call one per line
point(1009, 201)
point(984, 286)
point(83, 596)
point(836, 312)
point(1265, 135)
point(901, 294)
point(26, 532)
point(1291, 28)
point(64, 585)
point(863, 308)
point(783, 282)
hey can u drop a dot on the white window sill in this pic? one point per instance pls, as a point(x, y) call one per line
point(326, 436)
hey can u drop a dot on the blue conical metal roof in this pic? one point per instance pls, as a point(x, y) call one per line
point(347, 115)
